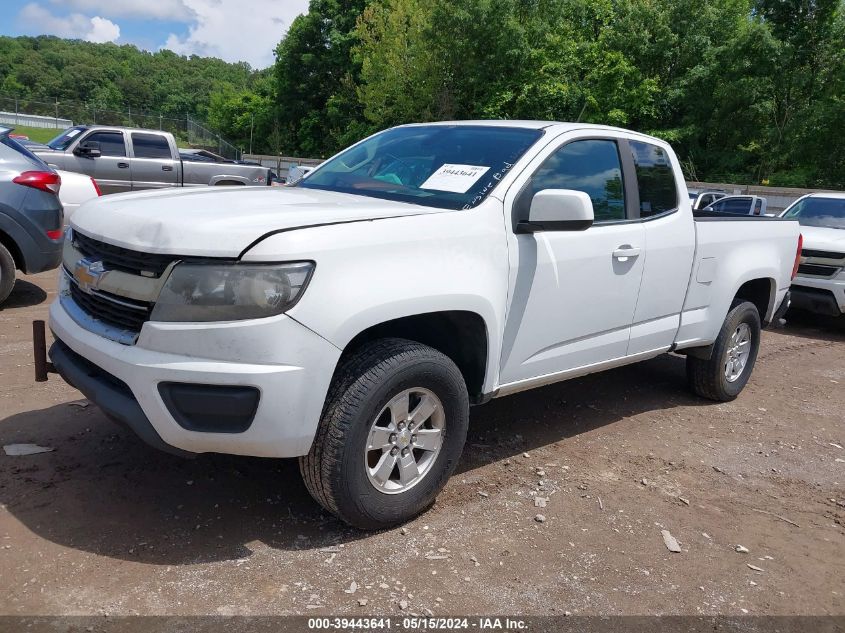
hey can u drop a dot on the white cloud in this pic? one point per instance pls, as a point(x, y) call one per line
point(38, 20)
point(151, 9)
point(103, 30)
point(236, 30)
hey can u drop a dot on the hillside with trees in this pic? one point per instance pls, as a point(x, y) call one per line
point(747, 91)
point(112, 77)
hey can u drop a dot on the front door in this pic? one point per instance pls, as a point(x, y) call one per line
point(575, 292)
point(111, 168)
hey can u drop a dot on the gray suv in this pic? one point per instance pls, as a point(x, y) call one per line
point(31, 219)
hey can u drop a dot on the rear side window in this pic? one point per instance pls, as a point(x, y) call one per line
point(592, 166)
point(656, 179)
point(111, 143)
point(150, 146)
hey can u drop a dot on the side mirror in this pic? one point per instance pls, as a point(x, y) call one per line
point(558, 210)
point(91, 149)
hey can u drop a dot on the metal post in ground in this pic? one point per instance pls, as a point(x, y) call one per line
point(251, 126)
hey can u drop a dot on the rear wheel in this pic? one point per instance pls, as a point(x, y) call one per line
point(724, 375)
point(391, 434)
point(7, 273)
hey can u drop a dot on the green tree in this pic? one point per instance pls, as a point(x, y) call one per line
point(316, 77)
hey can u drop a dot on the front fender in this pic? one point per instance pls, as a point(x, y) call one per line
point(371, 272)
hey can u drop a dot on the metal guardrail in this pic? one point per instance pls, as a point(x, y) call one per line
point(62, 114)
point(34, 120)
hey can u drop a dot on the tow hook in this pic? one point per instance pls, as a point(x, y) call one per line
point(39, 351)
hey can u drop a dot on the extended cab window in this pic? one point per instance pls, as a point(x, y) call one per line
point(111, 143)
point(592, 166)
point(150, 146)
point(656, 179)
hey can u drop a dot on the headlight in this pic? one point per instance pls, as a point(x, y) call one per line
point(231, 292)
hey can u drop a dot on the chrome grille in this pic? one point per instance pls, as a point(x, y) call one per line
point(118, 312)
point(818, 270)
point(119, 258)
point(823, 254)
point(821, 263)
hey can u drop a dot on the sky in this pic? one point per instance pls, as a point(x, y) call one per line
point(234, 30)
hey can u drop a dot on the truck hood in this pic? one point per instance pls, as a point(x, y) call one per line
point(819, 238)
point(222, 221)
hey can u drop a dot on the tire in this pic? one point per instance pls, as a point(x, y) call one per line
point(709, 378)
point(338, 471)
point(7, 273)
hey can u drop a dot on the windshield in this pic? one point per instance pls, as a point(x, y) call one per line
point(63, 140)
point(450, 167)
point(827, 212)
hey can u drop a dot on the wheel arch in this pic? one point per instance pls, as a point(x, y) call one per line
point(12, 246)
point(762, 292)
point(461, 335)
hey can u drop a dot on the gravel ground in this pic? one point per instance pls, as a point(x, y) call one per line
point(105, 525)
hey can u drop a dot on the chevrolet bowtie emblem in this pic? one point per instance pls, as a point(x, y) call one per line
point(88, 274)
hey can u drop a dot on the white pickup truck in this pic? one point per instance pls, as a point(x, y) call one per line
point(820, 283)
point(351, 320)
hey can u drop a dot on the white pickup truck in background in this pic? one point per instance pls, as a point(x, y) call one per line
point(820, 283)
point(351, 320)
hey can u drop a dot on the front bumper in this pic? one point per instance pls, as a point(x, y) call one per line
point(287, 363)
point(822, 296)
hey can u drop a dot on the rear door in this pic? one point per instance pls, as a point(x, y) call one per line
point(670, 248)
point(153, 162)
point(111, 168)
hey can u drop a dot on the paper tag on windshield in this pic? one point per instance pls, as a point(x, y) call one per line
point(454, 178)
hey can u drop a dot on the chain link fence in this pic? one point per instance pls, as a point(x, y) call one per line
point(61, 114)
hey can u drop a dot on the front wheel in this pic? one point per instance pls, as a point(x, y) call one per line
point(392, 432)
point(724, 375)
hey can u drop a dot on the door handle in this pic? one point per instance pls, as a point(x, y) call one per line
point(624, 252)
point(167, 168)
point(123, 165)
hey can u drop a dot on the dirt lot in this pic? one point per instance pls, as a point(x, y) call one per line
point(105, 525)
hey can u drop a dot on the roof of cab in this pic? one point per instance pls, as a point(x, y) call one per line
point(558, 126)
point(827, 194)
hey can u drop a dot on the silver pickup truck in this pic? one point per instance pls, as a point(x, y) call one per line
point(131, 159)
